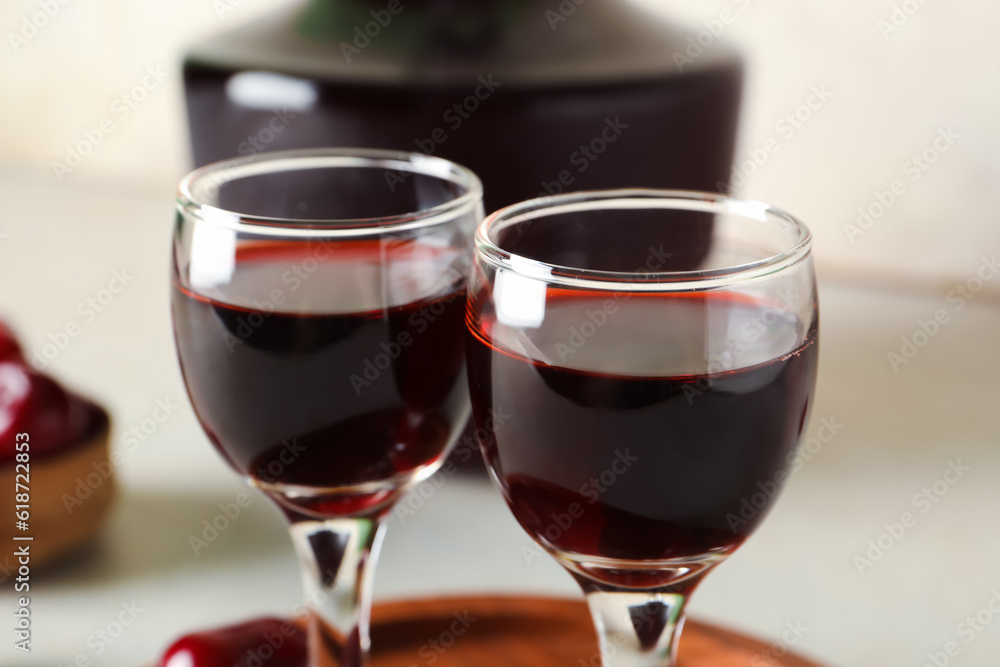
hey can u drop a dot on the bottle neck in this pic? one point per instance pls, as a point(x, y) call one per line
point(438, 43)
point(465, 25)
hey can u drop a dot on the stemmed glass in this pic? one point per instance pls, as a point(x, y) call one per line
point(318, 301)
point(653, 354)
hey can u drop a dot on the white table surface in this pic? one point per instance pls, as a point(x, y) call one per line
point(900, 430)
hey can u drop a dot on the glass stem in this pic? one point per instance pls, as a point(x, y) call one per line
point(636, 628)
point(338, 563)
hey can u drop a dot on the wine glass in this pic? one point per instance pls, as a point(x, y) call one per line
point(653, 356)
point(318, 302)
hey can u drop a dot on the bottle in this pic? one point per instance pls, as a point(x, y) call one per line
point(535, 96)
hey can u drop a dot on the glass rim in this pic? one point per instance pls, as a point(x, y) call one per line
point(659, 281)
point(190, 198)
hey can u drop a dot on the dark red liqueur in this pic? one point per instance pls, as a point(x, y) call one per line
point(628, 445)
point(56, 420)
point(326, 389)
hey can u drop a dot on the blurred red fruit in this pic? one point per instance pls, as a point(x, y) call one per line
point(35, 404)
point(9, 347)
point(264, 642)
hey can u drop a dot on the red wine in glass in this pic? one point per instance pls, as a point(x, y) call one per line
point(652, 396)
point(317, 302)
point(327, 389)
point(632, 450)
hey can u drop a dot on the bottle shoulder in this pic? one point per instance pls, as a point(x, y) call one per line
point(599, 41)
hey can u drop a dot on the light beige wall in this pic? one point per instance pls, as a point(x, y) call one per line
point(66, 79)
point(890, 94)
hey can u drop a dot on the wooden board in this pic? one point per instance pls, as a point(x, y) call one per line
point(531, 632)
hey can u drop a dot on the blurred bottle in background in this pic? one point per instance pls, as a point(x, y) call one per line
point(535, 96)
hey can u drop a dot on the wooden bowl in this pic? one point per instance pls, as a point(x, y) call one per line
point(71, 493)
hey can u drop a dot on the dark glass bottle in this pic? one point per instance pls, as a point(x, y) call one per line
point(535, 96)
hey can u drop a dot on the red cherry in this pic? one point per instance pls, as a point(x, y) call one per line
point(15, 400)
point(263, 642)
point(35, 404)
point(57, 416)
point(9, 347)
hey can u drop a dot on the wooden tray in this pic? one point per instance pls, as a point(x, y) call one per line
point(531, 632)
